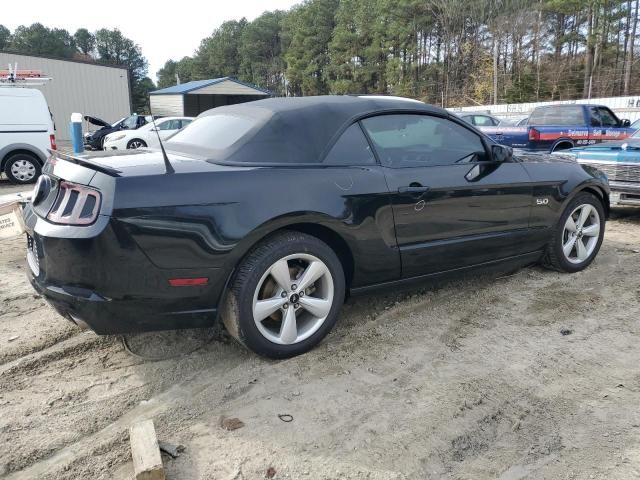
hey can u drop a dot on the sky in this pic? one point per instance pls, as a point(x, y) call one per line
point(163, 29)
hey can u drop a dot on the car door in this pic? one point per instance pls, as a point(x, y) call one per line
point(604, 125)
point(169, 127)
point(453, 205)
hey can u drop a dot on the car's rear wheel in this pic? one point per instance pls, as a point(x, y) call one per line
point(285, 296)
point(136, 143)
point(562, 146)
point(22, 168)
point(578, 235)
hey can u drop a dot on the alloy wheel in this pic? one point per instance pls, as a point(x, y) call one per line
point(293, 299)
point(581, 233)
point(23, 170)
point(136, 144)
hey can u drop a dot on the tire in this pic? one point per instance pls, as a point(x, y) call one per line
point(22, 168)
point(136, 143)
point(305, 307)
point(577, 258)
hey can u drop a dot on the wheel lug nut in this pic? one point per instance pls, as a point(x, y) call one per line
point(297, 305)
point(283, 294)
point(285, 306)
point(301, 293)
point(294, 286)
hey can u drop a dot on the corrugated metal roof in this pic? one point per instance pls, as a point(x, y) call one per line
point(197, 84)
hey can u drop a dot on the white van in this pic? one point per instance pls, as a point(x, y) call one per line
point(26, 133)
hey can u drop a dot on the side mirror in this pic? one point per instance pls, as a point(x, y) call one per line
point(501, 153)
point(626, 123)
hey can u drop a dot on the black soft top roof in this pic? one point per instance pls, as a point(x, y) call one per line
point(301, 129)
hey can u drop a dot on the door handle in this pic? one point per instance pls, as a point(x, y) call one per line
point(414, 190)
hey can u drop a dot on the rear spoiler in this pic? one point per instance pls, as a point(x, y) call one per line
point(83, 161)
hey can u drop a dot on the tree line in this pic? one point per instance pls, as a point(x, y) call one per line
point(109, 47)
point(449, 52)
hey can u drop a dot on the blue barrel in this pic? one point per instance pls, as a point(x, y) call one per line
point(76, 133)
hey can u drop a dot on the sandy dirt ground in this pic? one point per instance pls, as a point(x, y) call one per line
point(7, 189)
point(527, 374)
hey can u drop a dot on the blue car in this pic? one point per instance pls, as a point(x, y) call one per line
point(620, 161)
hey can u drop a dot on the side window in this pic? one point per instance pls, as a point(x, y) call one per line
point(351, 148)
point(607, 117)
point(130, 122)
point(469, 119)
point(570, 116)
point(169, 125)
point(596, 121)
point(403, 141)
point(561, 115)
point(483, 121)
point(184, 123)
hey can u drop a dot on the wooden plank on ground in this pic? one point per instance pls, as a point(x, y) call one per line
point(147, 463)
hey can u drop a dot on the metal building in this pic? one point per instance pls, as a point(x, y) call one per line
point(192, 98)
point(98, 90)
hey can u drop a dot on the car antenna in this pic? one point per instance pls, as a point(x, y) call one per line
point(167, 164)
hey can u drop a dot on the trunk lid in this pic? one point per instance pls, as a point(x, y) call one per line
point(125, 163)
point(122, 179)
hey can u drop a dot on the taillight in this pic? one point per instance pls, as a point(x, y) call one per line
point(52, 139)
point(534, 135)
point(75, 205)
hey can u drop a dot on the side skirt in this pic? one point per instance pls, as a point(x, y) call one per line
point(514, 261)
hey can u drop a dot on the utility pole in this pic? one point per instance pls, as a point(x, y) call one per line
point(495, 71)
point(630, 41)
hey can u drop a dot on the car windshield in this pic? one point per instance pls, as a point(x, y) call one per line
point(636, 134)
point(130, 122)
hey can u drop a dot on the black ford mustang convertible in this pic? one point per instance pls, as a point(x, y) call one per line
point(265, 215)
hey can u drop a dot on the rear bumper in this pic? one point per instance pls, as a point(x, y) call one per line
point(106, 316)
point(108, 283)
point(624, 193)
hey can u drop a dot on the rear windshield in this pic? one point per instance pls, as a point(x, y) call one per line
point(212, 133)
point(569, 115)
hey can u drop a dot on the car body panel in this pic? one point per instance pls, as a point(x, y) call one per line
point(93, 139)
point(460, 220)
point(551, 137)
point(26, 124)
point(119, 140)
point(620, 162)
point(98, 121)
point(200, 218)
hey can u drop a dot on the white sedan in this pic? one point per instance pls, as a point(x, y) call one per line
point(147, 135)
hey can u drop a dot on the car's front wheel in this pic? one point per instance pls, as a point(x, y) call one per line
point(578, 235)
point(136, 143)
point(285, 296)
